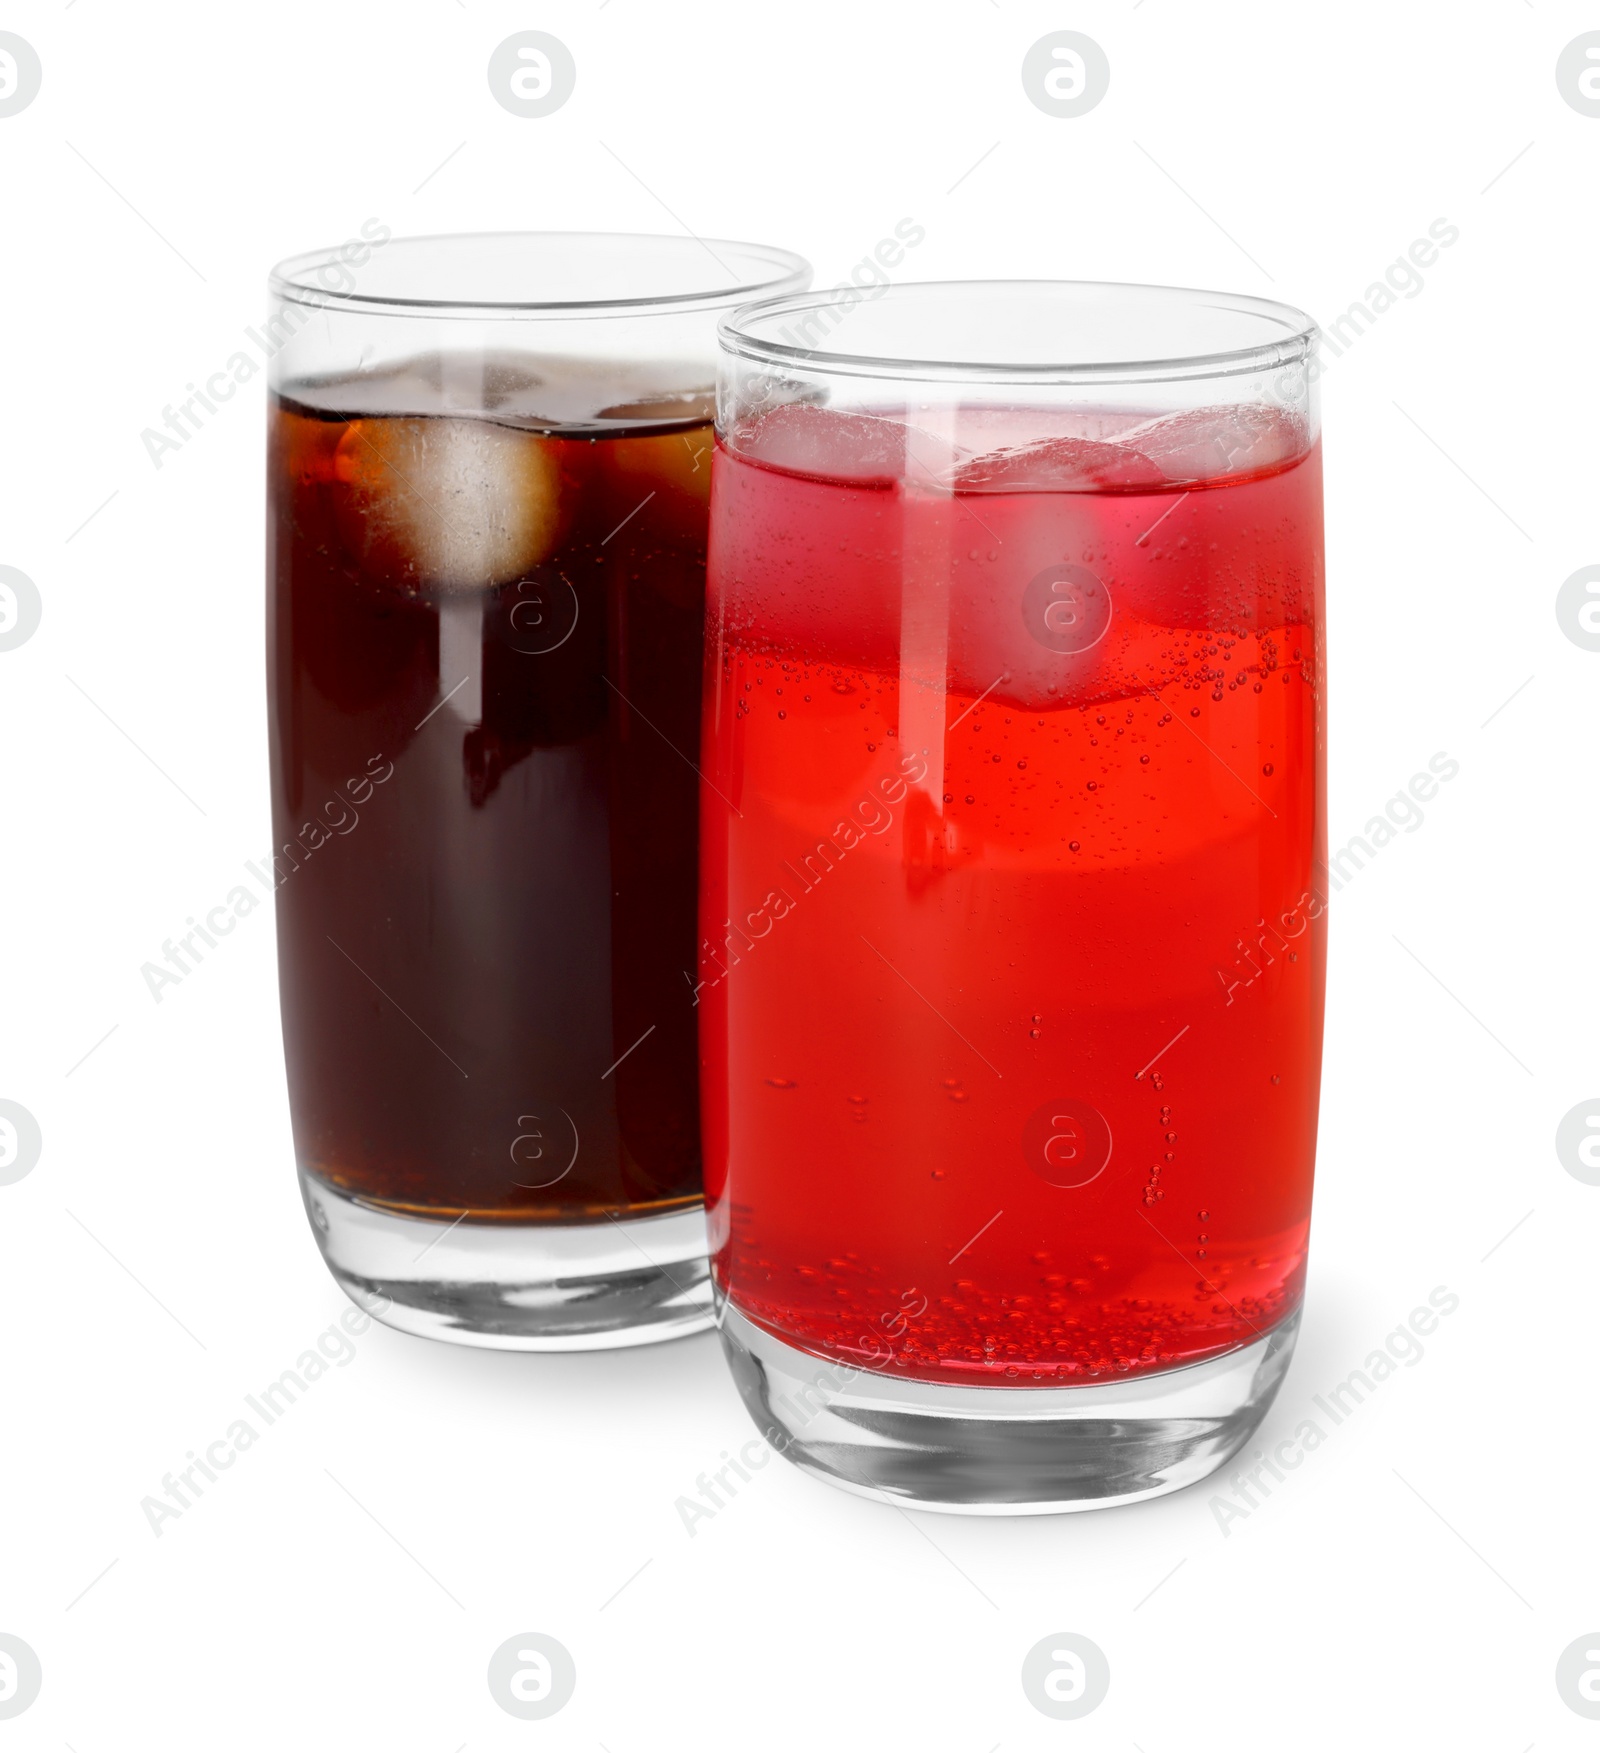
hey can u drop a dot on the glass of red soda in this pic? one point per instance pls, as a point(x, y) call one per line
point(1013, 897)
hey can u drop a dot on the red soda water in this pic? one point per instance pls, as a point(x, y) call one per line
point(1013, 935)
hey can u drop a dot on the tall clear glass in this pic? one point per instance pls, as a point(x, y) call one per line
point(1013, 893)
point(487, 491)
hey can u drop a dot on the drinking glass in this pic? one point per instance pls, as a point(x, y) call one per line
point(488, 471)
point(1013, 881)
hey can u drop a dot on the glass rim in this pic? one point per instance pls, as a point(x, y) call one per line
point(1298, 336)
point(763, 268)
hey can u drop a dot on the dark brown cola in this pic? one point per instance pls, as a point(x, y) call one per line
point(487, 586)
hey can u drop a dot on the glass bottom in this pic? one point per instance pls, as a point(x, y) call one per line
point(1004, 1451)
point(518, 1287)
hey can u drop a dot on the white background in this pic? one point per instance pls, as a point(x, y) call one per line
point(1417, 1578)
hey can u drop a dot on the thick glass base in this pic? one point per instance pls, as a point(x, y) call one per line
point(518, 1287)
point(1004, 1451)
